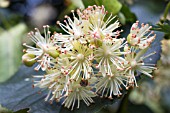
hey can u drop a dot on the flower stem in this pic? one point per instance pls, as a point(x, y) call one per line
point(166, 11)
point(124, 104)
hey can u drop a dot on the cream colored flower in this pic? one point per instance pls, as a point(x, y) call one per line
point(141, 37)
point(136, 64)
point(45, 49)
point(79, 90)
point(80, 61)
point(54, 82)
point(75, 29)
point(98, 27)
point(109, 54)
point(110, 85)
point(89, 59)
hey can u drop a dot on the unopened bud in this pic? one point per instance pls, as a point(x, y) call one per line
point(53, 52)
point(28, 59)
point(133, 40)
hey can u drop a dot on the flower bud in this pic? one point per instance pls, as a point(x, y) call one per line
point(96, 42)
point(132, 39)
point(53, 52)
point(28, 59)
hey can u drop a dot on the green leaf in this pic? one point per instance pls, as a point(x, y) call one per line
point(163, 27)
point(73, 4)
point(112, 6)
point(90, 2)
point(10, 51)
point(66, 11)
point(78, 3)
point(167, 9)
point(129, 16)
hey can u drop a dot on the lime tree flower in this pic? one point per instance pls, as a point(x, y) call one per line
point(136, 64)
point(98, 27)
point(109, 54)
point(141, 37)
point(61, 86)
point(139, 42)
point(79, 90)
point(89, 59)
point(55, 80)
point(44, 52)
point(80, 57)
point(75, 30)
point(111, 83)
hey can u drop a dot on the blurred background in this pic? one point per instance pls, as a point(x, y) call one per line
point(18, 17)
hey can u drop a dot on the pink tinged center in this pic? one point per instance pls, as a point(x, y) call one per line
point(96, 34)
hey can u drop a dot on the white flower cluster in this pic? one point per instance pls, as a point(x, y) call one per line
point(90, 59)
